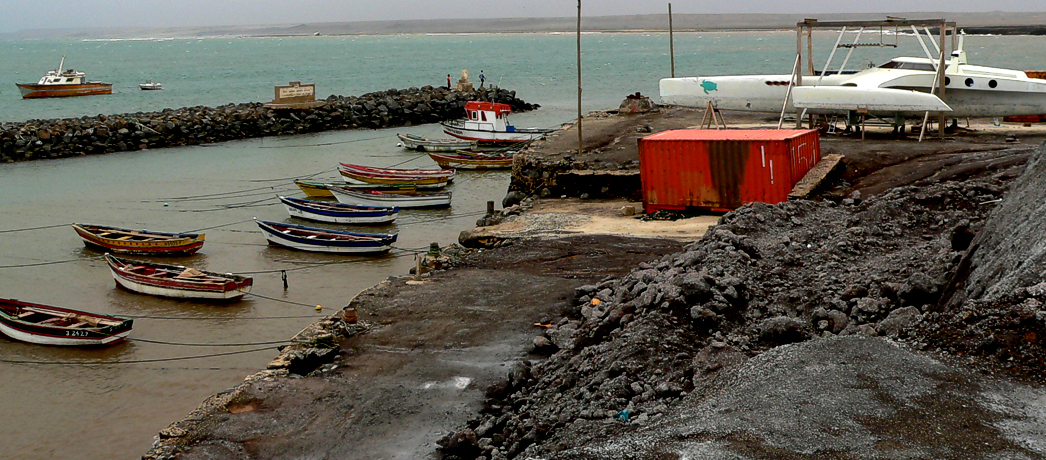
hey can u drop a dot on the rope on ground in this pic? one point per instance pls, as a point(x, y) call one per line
point(213, 318)
point(321, 144)
point(281, 300)
point(134, 361)
point(270, 190)
point(251, 344)
point(220, 226)
point(33, 228)
point(54, 262)
point(294, 177)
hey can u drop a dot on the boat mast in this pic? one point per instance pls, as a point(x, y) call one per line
point(60, 65)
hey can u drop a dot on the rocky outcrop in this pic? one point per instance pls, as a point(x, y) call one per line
point(634, 347)
point(1009, 254)
point(41, 139)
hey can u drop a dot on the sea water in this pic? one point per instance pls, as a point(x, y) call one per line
point(109, 403)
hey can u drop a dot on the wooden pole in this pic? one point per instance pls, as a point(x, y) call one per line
point(798, 71)
point(579, 117)
point(671, 42)
point(942, 122)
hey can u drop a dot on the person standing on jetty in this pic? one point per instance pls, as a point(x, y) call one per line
point(448, 81)
point(481, 78)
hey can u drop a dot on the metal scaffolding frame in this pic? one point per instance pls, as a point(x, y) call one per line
point(807, 26)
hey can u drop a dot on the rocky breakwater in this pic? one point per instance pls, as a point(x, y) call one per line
point(638, 348)
point(40, 139)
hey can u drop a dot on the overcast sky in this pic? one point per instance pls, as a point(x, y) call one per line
point(18, 15)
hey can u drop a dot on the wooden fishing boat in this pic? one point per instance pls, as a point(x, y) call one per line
point(401, 200)
point(320, 189)
point(63, 83)
point(126, 241)
point(461, 161)
point(424, 144)
point(487, 122)
point(354, 177)
point(176, 280)
point(411, 173)
point(47, 325)
point(323, 240)
point(338, 213)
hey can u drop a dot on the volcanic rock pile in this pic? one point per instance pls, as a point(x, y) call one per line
point(765, 276)
point(37, 139)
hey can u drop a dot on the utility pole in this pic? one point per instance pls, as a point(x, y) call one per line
point(671, 41)
point(579, 142)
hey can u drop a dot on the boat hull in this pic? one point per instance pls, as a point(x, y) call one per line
point(487, 136)
point(234, 287)
point(303, 243)
point(33, 90)
point(433, 200)
point(178, 244)
point(304, 210)
point(48, 334)
point(422, 144)
point(470, 162)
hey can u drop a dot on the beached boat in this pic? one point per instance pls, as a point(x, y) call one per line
point(323, 240)
point(47, 325)
point(462, 161)
point(176, 280)
point(150, 86)
point(424, 144)
point(401, 200)
point(356, 177)
point(338, 213)
point(63, 83)
point(126, 241)
point(488, 122)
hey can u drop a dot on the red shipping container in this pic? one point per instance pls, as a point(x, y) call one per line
point(721, 170)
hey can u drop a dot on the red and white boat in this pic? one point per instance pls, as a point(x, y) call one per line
point(177, 281)
point(399, 172)
point(63, 83)
point(488, 122)
point(47, 325)
point(465, 161)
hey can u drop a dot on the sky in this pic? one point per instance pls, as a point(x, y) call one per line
point(16, 15)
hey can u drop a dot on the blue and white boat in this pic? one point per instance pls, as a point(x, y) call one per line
point(338, 213)
point(323, 240)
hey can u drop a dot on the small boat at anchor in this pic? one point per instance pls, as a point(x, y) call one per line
point(314, 189)
point(126, 241)
point(487, 122)
point(373, 179)
point(424, 144)
point(47, 325)
point(63, 83)
point(463, 161)
point(150, 86)
point(401, 200)
point(338, 213)
point(177, 281)
point(322, 240)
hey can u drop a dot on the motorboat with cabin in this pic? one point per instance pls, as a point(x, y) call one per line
point(63, 83)
point(488, 122)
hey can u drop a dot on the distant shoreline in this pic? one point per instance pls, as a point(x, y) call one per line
point(996, 23)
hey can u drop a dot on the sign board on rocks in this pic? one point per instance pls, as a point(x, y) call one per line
point(295, 96)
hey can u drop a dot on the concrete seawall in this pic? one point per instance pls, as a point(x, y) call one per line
point(59, 138)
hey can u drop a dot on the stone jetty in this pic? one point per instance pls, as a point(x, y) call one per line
point(41, 139)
